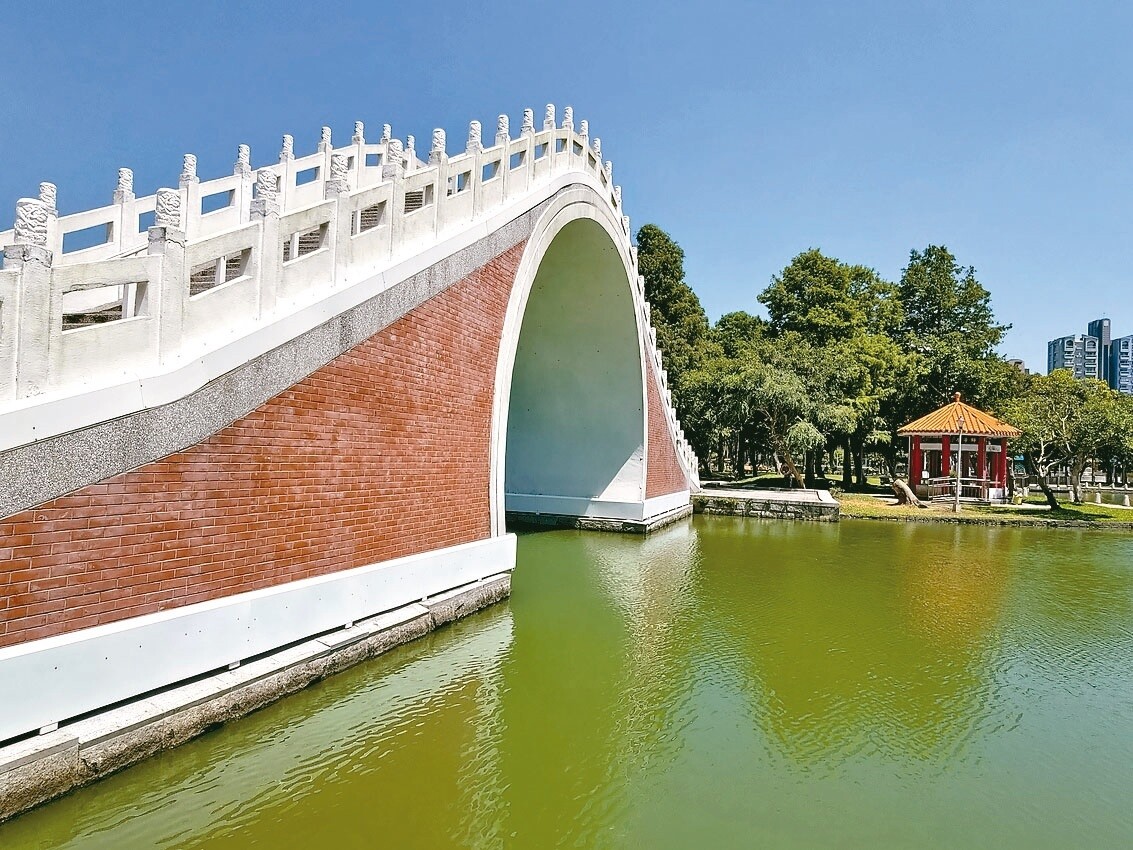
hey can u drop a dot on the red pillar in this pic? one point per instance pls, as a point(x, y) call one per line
point(1003, 463)
point(981, 459)
point(945, 456)
point(915, 461)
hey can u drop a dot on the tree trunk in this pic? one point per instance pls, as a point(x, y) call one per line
point(1033, 469)
point(1076, 470)
point(847, 471)
point(905, 496)
point(808, 467)
point(859, 465)
point(787, 459)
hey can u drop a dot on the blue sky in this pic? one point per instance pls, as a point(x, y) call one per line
point(749, 131)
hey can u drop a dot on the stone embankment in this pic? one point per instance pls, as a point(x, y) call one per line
point(809, 505)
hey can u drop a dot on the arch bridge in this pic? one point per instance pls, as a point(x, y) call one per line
point(244, 411)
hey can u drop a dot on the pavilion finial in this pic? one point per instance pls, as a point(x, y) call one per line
point(957, 397)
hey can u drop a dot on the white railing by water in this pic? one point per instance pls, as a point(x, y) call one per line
point(187, 268)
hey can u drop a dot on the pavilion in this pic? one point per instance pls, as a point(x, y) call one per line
point(959, 436)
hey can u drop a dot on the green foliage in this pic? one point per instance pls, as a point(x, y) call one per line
point(1068, 422)
point(675, 310)
point(948, 324)
point(843, 359)
point(813, 296)
point(738, 331)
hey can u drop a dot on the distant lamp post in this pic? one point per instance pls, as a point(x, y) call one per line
point(959, 461)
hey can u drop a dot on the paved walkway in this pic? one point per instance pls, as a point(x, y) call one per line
point(815, 497)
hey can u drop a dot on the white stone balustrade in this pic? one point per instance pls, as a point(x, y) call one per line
point(278, 236)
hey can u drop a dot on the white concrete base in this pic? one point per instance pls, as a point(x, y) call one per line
point(36, 769)
point(525, 503)
point(48, 681)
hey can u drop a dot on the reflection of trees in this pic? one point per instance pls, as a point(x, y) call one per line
point(872, 637)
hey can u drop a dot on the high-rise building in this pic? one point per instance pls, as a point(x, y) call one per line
point(1121, 364)
point(1099, 330)
point(1078, 354)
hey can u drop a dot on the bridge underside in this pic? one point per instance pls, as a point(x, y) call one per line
point(576, 427)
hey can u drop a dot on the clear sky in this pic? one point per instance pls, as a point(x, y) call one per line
point(749, 131)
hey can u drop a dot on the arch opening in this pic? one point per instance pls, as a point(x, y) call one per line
point(576, 421)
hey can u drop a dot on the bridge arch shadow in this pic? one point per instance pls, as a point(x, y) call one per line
point(570, 420)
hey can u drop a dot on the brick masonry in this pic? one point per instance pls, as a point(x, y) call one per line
point(664, 474)
point(325, 476)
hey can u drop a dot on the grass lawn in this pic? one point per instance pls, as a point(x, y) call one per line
point(1033, 511)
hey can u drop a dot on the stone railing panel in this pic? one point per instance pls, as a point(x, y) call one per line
point(458, 205)
point(227, 294)
point(419, 206)
point(305, 238)
point(216, 209)
point(98, 232)
point(492, 173)
point(119, 345)
point(308, 175)
point(371, 236)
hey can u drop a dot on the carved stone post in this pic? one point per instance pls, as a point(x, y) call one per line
point(359, 142)
point(549, 128)
point(286, 170)
point(39, 322)
point(438, 159)
point(393, 170)
point(503, 142)
point(49, 194)
point(242, 169)
point(268, 261)
point(190, 195)
point(337, 188)
point(326, 149)
point(126, 222)
point(167, 241)
point(475, 148)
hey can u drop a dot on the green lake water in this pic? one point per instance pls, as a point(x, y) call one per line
point(725, 683)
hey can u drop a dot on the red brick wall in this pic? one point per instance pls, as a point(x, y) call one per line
point(664, 474)
point(325, 476)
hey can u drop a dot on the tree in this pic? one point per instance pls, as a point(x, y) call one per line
point(1068, 421)
point(947, 323)
point(737, 331)
point(834, 323)
point(813, 296)
point(675, 311)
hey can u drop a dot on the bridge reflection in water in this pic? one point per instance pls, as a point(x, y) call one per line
point(728, 682)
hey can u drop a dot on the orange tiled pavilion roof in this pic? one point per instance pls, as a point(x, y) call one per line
point(946, 420)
